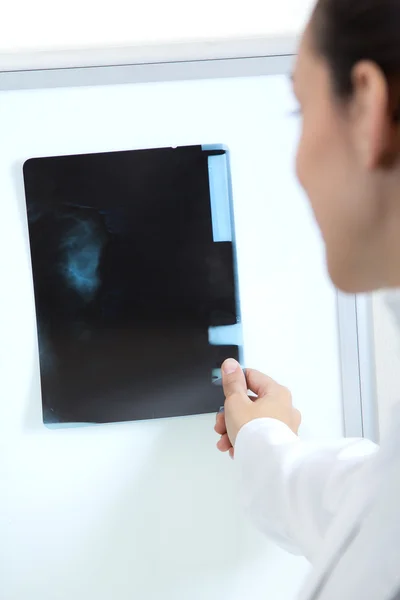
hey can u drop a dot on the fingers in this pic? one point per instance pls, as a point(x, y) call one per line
point(220, 425)
point(233, 379)
point(236, 384)
point(296, 420)
point(259, 383)
point(224, 443)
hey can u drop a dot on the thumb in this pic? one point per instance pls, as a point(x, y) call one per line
point(233, 379)
point(259, 383)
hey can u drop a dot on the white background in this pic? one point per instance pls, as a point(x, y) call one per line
point(148, 510)
point(43, 25)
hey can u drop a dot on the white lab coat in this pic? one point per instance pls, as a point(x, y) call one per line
point(338, 504)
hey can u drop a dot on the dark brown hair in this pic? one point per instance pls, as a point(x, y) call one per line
point(347, 31)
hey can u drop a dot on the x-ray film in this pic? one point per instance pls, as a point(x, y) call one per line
point(134, 271)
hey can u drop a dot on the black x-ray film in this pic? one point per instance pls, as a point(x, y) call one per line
point(134, 276)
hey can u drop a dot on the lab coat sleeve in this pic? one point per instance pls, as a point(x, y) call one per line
point(291, 488)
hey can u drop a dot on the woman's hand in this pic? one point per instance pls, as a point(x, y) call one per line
point(272, 400)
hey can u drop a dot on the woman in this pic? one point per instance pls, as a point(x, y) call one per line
point(337, 504)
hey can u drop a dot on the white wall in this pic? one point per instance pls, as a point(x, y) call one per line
point(44, 24)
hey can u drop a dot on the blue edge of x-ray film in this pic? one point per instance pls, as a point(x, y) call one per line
point(220, 198)
point(223, 231)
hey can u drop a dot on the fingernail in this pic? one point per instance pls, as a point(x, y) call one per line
point(221, 410)
point(230, 366)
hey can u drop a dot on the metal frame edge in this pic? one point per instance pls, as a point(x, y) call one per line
point(196, 50)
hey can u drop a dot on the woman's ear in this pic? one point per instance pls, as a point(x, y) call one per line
point(375, 130)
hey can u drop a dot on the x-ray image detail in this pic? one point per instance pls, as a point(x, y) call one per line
point(133, 262)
